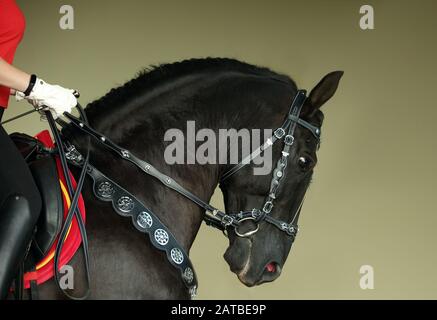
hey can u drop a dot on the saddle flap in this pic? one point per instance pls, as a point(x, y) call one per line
point(50, 221)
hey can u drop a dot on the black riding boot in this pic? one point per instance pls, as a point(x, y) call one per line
point(16, 229)
point(20, 206)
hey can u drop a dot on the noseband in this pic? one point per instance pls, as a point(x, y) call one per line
point(145, 221)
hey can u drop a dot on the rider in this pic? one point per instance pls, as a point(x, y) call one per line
point(20, 201)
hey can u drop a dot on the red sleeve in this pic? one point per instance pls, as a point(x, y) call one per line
point(12, 25)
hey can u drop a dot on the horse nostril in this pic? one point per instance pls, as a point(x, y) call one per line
point(271, 271)
point(271, 267)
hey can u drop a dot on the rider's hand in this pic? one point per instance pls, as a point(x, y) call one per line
point(57, 99)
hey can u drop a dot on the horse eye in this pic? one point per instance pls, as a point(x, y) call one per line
point(304, 163)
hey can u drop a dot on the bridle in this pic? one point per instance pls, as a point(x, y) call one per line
point(286, 131)
point(126, 204)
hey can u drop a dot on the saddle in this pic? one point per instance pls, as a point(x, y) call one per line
point(47, 173)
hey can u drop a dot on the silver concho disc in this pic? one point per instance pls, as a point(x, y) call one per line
point(188, 275)
point(161, 236)
point(144, 220)
point(125, 204)
point(176, 255)
point(105, 189)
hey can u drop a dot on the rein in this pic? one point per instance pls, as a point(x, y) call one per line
point(144, 220)
point(214, 216)
point(73, 211)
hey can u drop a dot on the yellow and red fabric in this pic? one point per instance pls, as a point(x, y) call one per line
point(44, 270)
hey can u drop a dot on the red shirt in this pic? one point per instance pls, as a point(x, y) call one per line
point(12, 25)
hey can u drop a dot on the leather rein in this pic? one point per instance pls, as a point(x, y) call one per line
point(144, 220)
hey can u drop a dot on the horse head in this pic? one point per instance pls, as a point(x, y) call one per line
point(260, 256)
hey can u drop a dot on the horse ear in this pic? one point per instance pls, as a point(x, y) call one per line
point(325, 89)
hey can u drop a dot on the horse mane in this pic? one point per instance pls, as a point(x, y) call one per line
point(155, 75)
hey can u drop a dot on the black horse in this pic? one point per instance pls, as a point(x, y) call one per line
point(216, 93)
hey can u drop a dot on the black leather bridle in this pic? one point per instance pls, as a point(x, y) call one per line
point(145, 221)
point(285, 131)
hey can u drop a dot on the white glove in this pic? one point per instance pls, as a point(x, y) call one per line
point(57, 99)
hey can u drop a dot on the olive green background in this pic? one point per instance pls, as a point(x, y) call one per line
point(372, 200)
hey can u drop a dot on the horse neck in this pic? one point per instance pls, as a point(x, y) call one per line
point(196, 98)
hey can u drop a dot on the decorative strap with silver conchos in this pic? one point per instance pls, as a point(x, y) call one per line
point(144, 220)
point(281, 165)
point(288, 125)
